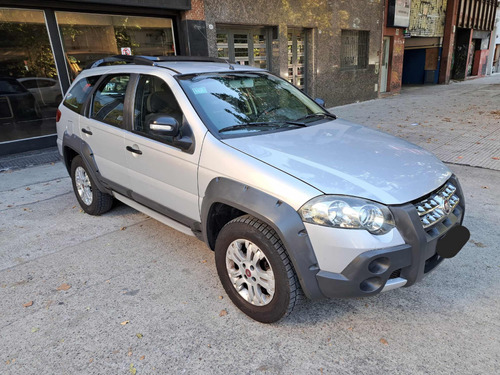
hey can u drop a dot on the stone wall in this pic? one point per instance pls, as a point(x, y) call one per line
point(323, 21)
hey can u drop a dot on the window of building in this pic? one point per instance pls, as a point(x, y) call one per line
point(355, 48)
point(90, 37)
point(29, 86)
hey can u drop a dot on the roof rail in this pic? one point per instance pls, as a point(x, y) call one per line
point(152, 60)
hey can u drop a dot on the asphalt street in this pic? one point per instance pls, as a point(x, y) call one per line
point(125, 294)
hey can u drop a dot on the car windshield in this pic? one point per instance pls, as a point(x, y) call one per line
point(242, 103)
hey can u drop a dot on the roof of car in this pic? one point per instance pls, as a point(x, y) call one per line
point(194, 67)
point(176, 64)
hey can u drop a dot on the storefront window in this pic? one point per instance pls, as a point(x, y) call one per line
point(89, 37)
point(29, 86)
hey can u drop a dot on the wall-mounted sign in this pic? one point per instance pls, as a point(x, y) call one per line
point(126, 51)
point(398, 13)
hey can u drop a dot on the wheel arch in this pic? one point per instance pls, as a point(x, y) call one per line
point(228, 198)
point(73, 146)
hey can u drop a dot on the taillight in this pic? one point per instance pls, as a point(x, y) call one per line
point(58, 115)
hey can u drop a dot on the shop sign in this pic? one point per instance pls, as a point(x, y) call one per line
point(398, 14)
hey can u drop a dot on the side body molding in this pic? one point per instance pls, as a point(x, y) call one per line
point(83, 149)
point(279, 215)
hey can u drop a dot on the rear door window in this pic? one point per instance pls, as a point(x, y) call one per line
point(109, 100)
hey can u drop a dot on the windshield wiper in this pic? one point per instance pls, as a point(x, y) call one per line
point(315, 115)
point(265, 124)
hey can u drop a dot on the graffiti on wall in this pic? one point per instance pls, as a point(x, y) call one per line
point(427, 18)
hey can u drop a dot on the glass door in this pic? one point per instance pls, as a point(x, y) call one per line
point(246, 47)
point(297, 58)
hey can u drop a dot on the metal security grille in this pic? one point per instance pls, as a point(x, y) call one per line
point(297, 58)
point(477, 14)
point(354, 50)
point(246, 47)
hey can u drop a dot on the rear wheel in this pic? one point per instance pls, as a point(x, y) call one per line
point(255, 269)
point(91, 199)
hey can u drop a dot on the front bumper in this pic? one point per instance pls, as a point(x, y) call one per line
point(373, 271)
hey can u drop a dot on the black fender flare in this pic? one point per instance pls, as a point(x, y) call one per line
point(83, 149)
point(279, 215)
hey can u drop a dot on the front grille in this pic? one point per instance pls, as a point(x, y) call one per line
point(395, 274)
point(438, 206)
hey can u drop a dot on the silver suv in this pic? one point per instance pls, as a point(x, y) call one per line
point(291, 199)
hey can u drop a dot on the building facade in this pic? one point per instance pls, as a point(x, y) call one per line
point(434, 41)
point(329, 49)
point(44, 45)
point(423, 48)
point(495, 45)
point(474, 25)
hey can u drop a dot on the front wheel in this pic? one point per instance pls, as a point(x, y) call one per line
point(255, 269)
point(91, 199)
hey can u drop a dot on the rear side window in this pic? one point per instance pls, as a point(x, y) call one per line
point(78, 94)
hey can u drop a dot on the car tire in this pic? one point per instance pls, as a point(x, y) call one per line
point(90, 198)
point(255, 269)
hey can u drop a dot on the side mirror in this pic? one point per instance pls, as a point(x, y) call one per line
point(320, 101)
point(164, 126)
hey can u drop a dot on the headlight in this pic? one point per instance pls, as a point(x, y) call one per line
point(348, 212)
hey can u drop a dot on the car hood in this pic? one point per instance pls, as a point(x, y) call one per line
point(340, 157)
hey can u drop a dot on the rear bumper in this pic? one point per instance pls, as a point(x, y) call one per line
point(383, 269)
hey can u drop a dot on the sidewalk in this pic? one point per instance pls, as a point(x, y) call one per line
point(29, 159)
point(459, 122)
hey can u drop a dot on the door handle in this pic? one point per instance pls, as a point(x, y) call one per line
point(86, 131)
point(134, 150)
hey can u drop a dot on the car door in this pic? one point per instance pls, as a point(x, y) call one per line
point(162, 175)
point(103, 127)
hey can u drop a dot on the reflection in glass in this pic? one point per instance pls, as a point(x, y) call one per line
point(223, 52)
point(221, 38)
point(228, 99)
point(29, 86)
point(89, 37)
point(240, 38)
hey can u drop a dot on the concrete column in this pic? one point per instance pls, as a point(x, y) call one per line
point(448, 41)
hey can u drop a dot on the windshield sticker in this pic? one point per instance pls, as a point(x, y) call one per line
point(199, 90)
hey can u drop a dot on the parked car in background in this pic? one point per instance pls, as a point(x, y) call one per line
point(47, 91)
point(16, 102)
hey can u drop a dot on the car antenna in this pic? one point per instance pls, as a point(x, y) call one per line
point(229, 63)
